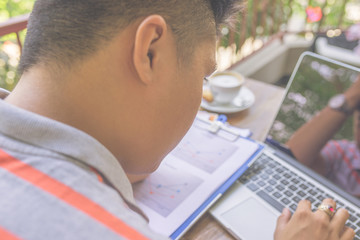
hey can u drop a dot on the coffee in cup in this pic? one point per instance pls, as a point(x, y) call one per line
point(225, 86)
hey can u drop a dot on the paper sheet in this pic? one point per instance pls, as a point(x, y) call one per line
point(195, 169)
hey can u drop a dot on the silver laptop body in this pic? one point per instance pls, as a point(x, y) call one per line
point(275, 180)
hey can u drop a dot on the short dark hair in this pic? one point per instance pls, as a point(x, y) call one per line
point(62, 32)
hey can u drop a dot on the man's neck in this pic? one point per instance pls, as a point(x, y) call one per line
point(37, 92)
point(74, 99)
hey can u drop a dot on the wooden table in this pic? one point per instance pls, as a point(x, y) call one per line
point(258, 118)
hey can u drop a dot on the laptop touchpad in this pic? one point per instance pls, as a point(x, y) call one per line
point(251, 220)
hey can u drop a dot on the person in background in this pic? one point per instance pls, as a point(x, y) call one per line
point(338, 160)
point(109, 88)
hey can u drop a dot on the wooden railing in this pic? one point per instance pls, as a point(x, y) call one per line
point(14, 25)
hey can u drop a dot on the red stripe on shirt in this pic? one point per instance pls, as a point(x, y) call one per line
point(5, 235)
point(68, 195)
point(347, 161)
point(352, 149)
point(326, 151)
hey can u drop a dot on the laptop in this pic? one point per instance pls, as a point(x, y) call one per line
point(274, 180)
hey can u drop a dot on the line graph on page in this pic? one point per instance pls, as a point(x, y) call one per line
point(164, 196)
point(204, 150)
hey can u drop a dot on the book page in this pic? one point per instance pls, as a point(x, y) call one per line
point(187, 177)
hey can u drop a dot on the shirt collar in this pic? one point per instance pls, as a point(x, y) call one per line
point(65, 140)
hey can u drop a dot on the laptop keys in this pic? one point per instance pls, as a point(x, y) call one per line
point(270, 200)
point(266, 176)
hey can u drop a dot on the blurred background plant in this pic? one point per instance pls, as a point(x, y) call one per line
point(262, 19)
point(9, 49)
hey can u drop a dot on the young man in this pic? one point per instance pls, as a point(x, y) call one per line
point(109, 87)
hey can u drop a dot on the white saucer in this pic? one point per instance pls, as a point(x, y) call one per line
point(242, 101)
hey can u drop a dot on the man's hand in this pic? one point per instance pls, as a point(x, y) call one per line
point(305, 224)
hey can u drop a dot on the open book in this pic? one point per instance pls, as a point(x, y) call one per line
point(192, 177)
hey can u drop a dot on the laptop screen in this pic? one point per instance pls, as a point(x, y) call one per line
point(314, 81)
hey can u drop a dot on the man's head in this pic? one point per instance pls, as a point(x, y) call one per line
point(62, 32)
point(127, 72)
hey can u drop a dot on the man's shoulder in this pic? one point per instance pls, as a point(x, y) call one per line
point(48, 196)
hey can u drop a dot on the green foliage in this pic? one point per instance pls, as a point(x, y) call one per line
point(9, 51)
point(11, 8)
point(271, 16)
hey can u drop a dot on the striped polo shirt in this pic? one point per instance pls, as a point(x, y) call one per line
point(342, 159)
point(57, 182)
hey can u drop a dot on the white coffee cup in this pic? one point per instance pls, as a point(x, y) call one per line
point(225, 86)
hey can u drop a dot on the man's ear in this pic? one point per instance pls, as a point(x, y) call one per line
point(145, 56)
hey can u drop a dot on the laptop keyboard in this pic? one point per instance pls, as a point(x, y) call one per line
point(281, 187)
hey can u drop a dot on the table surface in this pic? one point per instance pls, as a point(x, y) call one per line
point(258, 118)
